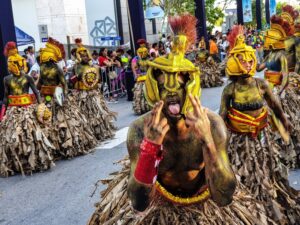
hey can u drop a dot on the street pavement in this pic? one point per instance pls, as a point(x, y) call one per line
point(66, 194)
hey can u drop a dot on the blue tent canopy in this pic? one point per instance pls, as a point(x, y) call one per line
point(23, 38)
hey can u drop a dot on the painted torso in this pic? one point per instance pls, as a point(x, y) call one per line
point(274, 62)
point(50, 73)
point(17, 85)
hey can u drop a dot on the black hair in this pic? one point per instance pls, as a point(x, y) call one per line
point(29, 48)
point(101, 51)
point(154, 45)
point(95, 53)
point(73, 52)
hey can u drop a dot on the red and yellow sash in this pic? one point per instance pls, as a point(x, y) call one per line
point(201, 196)
point(48, 90)
point(21, 100)
point(274, 78)
point(243, 123)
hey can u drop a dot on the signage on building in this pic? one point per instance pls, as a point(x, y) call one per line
point(154, 9)
point(247, 11)
point(272, 7)
point(43, 31)
point(111, 38)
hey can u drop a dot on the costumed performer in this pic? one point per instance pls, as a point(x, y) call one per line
point(253, 152)
point(139, 69)
point(24, 147)
point(179, 172)
point(87, 96)
point(71, 131)
point(210, 72)
point(277, 74)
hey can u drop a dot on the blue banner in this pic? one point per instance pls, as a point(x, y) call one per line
point(247, 11)
point(272, 7)
point(154, 9)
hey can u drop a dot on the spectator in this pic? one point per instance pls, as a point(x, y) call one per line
point(95, 57)
point(223, 47)
point(35, 70)
point(202, 44)
point(161, 49)
point(30, 56)
point(129, 77)
point(154, 49)
point(163, 39)
point(213, 49)
point(168, 45)
point(105, 64)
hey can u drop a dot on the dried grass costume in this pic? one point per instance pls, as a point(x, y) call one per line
point(277, 74)
point(255, 155)
point(87, 97)
point(71, 132)
point(24, 147)
point(139, 66)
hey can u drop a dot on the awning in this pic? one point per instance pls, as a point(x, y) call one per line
point(23, 38)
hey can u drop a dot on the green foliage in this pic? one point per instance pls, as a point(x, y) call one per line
point(213, 14)
point(263, 15)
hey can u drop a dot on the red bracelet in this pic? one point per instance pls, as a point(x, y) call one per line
point(147, 165)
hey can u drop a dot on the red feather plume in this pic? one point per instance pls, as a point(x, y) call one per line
point(289, 30)
point(9, 46)
point(184, 25)
point(290, 10)
point(234, 33)
point(59, 45)
point(141, 42)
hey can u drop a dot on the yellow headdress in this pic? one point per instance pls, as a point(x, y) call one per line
point(277, 34)
point(184, 29)
point(15, 62)
point(81, 50)
point(238, 47)
point(142, 51)
point(53, 51)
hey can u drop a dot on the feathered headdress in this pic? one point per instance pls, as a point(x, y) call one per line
point(184, 25)
point(235, 33)
point(289, 14)
point(142, 42)
point(10, 49)
point(59, 45)
point(286, 26)
point(78, 42)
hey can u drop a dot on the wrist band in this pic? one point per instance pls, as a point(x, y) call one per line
point(147, 165)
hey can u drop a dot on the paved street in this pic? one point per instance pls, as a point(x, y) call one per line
point(62, 196)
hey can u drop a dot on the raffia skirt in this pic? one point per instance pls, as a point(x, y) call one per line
point(140, 105)
point(258, 164)
point(290, 101)
point(93, 106)
point(71, 133)
point(115, 208)
point(24, 146)
point(210, 76)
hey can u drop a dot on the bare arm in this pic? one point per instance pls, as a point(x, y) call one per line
point(62, 80)
point(225, 101)
point(212, 131)
point(285, 71)
point(273, 103)
point(33, 88)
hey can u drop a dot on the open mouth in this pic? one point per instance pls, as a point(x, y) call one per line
point(174, 107)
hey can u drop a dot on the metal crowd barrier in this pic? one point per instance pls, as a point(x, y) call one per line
point(113, 87)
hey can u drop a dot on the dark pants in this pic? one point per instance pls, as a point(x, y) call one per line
point(129, 84)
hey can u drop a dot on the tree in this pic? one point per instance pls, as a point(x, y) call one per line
point(213, 13)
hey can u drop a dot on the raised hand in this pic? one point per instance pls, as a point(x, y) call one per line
point(199, 120)
point(155, 129)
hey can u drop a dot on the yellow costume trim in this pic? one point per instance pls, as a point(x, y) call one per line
point(81, 86)
point(202, 196)
point(21, 100)
point(275, 78)
point(141, 78)
point(244, 123)
point(275, 37)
